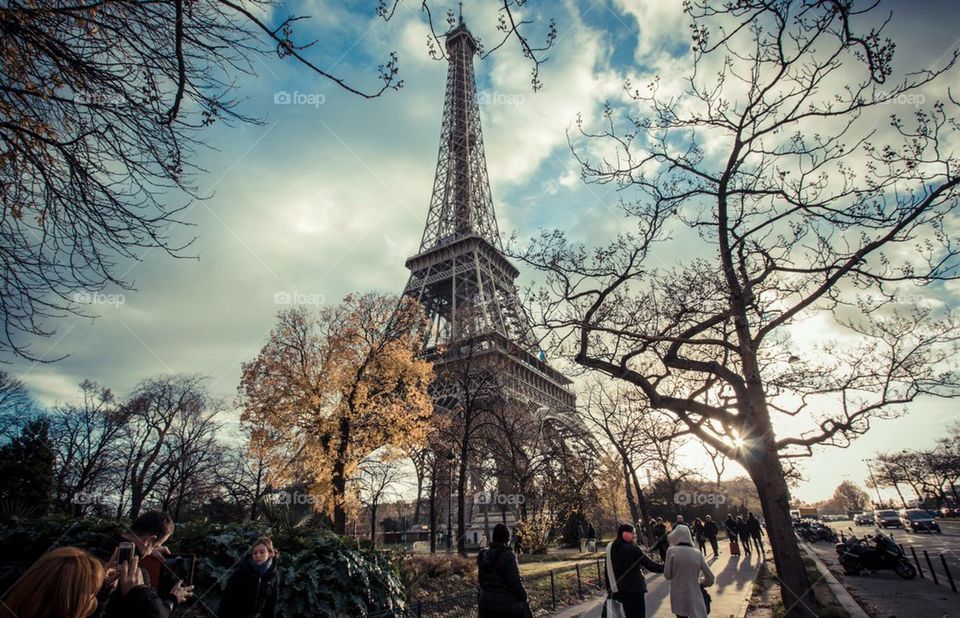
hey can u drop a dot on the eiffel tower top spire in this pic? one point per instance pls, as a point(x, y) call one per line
point(461, 204)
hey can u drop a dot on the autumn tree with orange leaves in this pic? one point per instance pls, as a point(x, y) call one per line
point(335, 385)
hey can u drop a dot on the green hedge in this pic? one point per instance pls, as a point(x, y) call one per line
point(321, 573)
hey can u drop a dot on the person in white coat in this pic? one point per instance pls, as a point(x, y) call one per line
point(687, 571)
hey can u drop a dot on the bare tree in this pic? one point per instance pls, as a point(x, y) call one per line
point(794, 210)
point(375, 483)
point(15, 405)
point(86, 441)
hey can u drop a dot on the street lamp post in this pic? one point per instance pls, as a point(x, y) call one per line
point(875, 486)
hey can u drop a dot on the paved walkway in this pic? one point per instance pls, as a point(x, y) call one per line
point(730, 592)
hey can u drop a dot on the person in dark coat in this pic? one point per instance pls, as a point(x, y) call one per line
point(744, 534)
point(756, 531)
point(254, 585)
point(710, 530)
point(502, 594)
point(627, 559)
point(660, 538)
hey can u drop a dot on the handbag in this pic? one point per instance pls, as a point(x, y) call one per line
point(706, 598)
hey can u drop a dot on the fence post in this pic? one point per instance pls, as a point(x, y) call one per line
point(946, 570)
point(553, 592)
point(579, 585)
point(419, 609)
point(933, 574)
point(917, 560)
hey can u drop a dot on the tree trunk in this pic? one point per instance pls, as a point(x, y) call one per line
point(433, 509)
point(767, 474)
point(462, 502)
point(373, 525)
point(631, 501)
point(339, 480)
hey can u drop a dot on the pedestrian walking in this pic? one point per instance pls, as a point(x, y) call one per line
point(756, 532)
point(699, 535)
point(625, 581)
point(733, 535)
point(688, 573)
point(254, 586)
point(660, 538)
point(744, 534)
point(710, 530)
point(502, 594)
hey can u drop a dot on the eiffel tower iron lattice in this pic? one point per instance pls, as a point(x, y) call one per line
point(460, 275)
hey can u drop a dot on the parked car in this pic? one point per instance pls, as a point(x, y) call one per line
point(863, 519)
point(917, 520)
point(886, 519)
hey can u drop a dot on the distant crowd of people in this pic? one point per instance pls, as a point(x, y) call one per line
point(110, 581)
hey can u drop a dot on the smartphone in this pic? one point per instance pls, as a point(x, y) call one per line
point(126, 552)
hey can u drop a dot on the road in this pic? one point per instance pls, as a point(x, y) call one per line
point(947, 543)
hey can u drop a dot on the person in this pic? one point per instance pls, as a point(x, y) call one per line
point(710, 530)
point(681, 522)
point(660, 538)
point(254, 585)
point(744, 534)
point(687, 571)
point(502, 594)
point(733, 534)
point(148, 533)
point(756, 532)
point(63, 583)
point(628, 585)
point(699, 535)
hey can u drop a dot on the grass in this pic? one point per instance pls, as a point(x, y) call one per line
point(765, 599)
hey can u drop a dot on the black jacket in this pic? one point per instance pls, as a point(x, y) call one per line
point(743, 531)
point(753, 525)
point(710, 529)
point(250, 594)
point(627, 559)
point(499, 577)
point(732, 528)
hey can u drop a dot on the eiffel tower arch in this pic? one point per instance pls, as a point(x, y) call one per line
point(480, 339)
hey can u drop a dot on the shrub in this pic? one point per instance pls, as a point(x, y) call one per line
point(322, 574)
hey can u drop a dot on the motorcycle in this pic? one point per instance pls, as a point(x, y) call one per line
point(813, 532)
point(881, 552)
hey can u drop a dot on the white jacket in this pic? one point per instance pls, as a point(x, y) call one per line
point(684, 567)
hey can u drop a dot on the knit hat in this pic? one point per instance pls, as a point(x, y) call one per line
point(501, 534)
point(680, 534)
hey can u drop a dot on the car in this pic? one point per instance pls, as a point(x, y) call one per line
point(917, 520)
point(863, 519)
point(886, 519)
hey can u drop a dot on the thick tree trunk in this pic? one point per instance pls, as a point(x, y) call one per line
point(767, 474)
point(339, 480)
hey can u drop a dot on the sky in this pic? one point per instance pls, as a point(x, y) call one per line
point(329, 194)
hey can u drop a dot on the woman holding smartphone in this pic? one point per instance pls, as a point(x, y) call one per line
point(254, 585)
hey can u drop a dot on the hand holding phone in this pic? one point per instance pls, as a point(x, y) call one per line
point(125, 553)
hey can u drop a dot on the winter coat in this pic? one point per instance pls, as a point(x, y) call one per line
point(743, 531)
point(731, 527)
point(250, 594)
point(684, 568)
point(698, 532)
point(627, 559)
point(710, 529)
point(499, 577)
point(660, 535)
point(753, 526)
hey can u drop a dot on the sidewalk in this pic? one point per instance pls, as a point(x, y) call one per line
point(730, 593)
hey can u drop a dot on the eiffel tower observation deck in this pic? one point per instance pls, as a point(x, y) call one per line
point(460, 275)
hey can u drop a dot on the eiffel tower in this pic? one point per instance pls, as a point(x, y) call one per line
point(460, 275)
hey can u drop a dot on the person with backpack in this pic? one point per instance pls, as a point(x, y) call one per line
point(502, 594)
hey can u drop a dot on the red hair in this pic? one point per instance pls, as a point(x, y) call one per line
point(63, 583)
